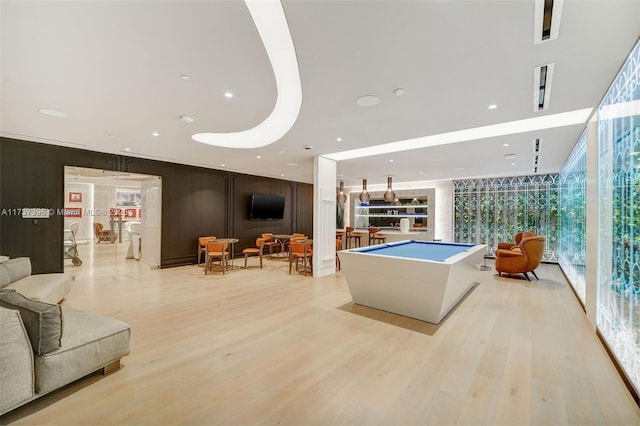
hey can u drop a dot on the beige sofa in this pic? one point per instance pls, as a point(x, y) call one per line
point(50, 288)
point(44, 346)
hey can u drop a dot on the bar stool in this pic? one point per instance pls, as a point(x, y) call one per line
point(355, 238)
point(376, 239)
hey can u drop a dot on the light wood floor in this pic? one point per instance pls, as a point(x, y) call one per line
point(262, 347)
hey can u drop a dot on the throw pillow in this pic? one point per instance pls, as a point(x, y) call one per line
point(43, 321)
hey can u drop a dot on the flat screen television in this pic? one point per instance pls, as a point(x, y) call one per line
point(266, 207)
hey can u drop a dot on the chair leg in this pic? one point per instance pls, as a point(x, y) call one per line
point(206, 265)
point(527, 276)
point(260, 260)
point(534, 274)
point(245, 260)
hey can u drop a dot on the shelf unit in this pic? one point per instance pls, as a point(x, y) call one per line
point(371, 211)
point(421, 216)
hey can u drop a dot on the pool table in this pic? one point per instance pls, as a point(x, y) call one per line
point(417, 279)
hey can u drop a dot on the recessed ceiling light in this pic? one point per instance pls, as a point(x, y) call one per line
point(505, 144)
point(52, 112)
point(513, 164)
point(421, 172)
point(391, 160)
point(155, 134)
point(510, 156)
point(281, 152)
point(292, 164)
point(368, 100)
point(187, 119)
point(460, 168)
point(258, 156)
point(282, 174)
point(222, 165)
point(127, 149)
point(228, 95)
point(493, 106)
point(185, 77)
point(399, 92)
point(339, 139)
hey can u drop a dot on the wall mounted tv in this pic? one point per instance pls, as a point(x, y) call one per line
point(266, 207)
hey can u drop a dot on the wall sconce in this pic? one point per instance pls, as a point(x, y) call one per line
point(342, 197)
point(364, 195)
point(389, 195)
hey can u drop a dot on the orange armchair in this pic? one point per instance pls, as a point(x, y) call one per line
point(104, 234)
point(517, 238)
point(523, 259)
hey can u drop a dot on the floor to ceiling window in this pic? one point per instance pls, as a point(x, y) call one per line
point(618, 313)
point(572, 226)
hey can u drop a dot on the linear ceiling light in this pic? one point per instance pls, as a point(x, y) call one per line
point(542, 78)
point(509, 128)
point(546, 20)
point(271, 23)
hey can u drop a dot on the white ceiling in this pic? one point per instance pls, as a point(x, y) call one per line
point(114, 67)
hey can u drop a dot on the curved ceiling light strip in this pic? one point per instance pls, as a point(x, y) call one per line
point(271, 23)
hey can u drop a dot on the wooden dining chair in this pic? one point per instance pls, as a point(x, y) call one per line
point(338, 248)
point(202, 247)
point(254, 251)
point(217, 251)
point(374, 238)
point(350, 236)
point(300, 250)
point(270, 242)
point(296, 236)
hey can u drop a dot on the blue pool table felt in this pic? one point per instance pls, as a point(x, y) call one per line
point(423, 250)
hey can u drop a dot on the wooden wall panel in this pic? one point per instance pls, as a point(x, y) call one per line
point(248, 230)
point(195, 202)
point(304, 209)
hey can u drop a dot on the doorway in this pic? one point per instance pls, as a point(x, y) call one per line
point(112, 221)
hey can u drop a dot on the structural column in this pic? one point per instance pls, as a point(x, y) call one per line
point(324, 216)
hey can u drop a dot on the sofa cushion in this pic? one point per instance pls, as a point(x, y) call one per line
point(43, 321)
point(48, 288)
point(16, 362)
point(89, 342)
point(18, 268)
point(5, 278)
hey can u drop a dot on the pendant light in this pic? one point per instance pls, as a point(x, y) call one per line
point(364, 195)
point(389, 195)
point(342, 197)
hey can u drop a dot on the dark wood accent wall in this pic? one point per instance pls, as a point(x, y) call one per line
point(304, 210)
point(195, 202)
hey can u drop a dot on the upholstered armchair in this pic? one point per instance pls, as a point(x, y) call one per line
point(517, 238)
point(102, 234)
point(522, 259)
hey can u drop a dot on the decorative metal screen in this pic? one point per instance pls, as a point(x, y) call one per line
point(572, 227)
point(618, 316)
point(488, 211)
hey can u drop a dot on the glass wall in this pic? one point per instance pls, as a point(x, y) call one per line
point(618, 312)
point(488, 211)
point(572, 230)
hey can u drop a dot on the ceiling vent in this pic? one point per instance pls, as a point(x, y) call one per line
point(547, 20)
point(542, 77)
